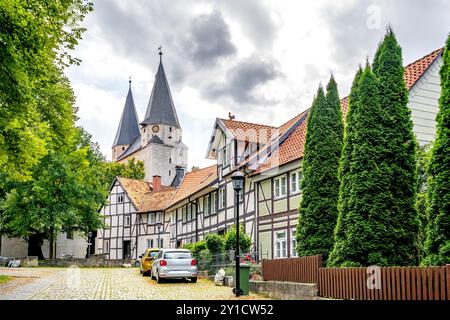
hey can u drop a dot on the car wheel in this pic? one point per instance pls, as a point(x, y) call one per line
point(158, 278)
point(194, 280)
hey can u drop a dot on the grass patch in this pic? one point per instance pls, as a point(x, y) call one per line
point(4, 279)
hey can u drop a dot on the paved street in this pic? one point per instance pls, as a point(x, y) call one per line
point(102, 284)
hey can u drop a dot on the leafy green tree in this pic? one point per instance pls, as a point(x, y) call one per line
point(320, 185)
point(214, 243)
point(437, 246)
point(36, 39)
point(64, 193)
point(245, 242)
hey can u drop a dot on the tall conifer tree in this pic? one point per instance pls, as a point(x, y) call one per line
point(359, 236)
point(399, 154)
point(344, 165)
point(437, 245)
point(320, 184)
point(378, 221)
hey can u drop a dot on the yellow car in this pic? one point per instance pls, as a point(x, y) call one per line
point(147, 260)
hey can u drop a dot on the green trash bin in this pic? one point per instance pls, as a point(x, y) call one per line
point(244, 281)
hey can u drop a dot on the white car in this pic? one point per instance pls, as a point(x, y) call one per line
point(174, 264)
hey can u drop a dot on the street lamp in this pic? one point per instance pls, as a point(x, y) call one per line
point(159, 225)
point(89, 243)
point(238, 185)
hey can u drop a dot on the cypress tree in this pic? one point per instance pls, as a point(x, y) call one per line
point(378, 221)
point(399, 153)
point(344, 166)
point(320, 184)
point(359, 236)
point(437, 245)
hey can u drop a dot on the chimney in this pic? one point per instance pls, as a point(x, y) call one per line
point(156, 183)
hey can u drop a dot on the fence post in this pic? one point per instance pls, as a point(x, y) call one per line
point(447, 267)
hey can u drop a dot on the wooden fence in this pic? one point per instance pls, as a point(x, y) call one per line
point(384, 283)
point(396, 283)
point(303, 269)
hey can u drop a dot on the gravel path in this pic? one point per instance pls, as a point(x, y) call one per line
point(103, 284)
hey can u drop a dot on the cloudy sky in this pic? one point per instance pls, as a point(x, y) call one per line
point(260, 60)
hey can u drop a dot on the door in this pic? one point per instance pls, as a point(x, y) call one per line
point(126, 249)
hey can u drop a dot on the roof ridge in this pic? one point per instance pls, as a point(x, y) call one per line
point(247, 122)
point(425, 56)
point(134, 179)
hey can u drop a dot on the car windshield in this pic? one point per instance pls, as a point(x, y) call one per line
point(153, 254)
point(177, 255)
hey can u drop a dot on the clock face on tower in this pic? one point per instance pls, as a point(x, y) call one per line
point(155, 128)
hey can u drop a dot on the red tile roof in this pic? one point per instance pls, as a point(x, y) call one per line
point(246, 131)
point(194, 181)
point(135, 189)
point(415, 70)
point(158, 200)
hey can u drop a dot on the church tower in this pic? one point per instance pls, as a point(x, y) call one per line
point(161, 132)
point(128, 129)
point(157, 140)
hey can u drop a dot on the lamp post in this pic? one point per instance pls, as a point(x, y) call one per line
point(159, 225)
point(89, 244)
point(238, 185)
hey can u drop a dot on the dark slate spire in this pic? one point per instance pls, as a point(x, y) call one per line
point(128, 128)
point(161, 109)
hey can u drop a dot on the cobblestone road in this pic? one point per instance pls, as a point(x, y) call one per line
point(102, 284)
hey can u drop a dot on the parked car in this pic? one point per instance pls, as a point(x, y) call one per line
point(147, 260)
point(174, 264)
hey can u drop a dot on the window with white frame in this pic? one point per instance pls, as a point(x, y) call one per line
point(222, 198)
point(293, 243)
point(280, 244)
point(151, 218)
point(158, 217)
point(213, 203)
point(184, 213)
point(106, 246)
point(149, 243)
point(225, 155)
point(296, 178)
point(280, 186)
point(120, 197)
point(206, 205)
point(127, 221)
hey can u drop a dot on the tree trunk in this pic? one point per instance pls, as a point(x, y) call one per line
point(50, 245)
point(34, 246)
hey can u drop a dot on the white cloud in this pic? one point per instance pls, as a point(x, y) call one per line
point(305, 42)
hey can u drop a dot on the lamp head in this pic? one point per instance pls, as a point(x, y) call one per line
point(238, 180)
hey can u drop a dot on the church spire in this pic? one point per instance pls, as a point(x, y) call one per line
point(160, 109)
point(128, 129)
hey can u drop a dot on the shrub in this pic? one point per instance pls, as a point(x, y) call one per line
point(245, 242)
point(214, 243)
